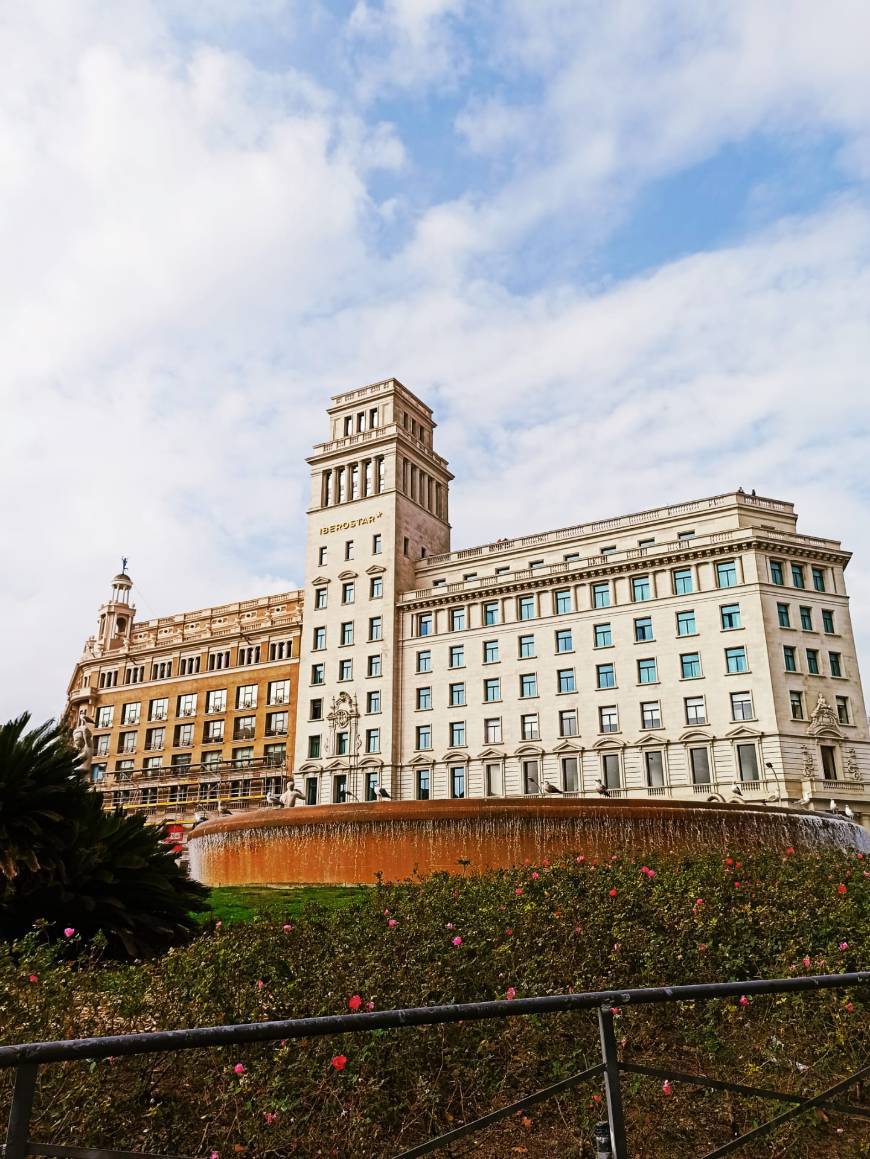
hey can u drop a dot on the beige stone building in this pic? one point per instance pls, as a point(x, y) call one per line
point(193, 712)
point(694, 650)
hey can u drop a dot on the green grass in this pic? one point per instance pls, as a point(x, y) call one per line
point(232, 903)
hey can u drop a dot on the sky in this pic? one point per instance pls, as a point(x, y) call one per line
point(622, 250)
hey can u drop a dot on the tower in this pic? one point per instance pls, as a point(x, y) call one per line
point(116, 616)
point(379, 503)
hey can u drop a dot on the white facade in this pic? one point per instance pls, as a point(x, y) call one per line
point(650, 654)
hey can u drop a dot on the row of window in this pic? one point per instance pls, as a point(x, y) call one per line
point(805, 614)
point(348, 592)
point(791, 660)
point(346, 633)
point(192, 665)
point(206, 791)
point(242, 758)
point(277, 692)
point(350, 549)
point(354, 481)
point(798, 573)
point(244, 728)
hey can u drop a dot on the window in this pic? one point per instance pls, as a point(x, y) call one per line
point(424, 736)
point(246, 696)
point(243, 727)
point(699, 763)
point(131, 713)
point(529, 684)
point(531, 783)
point(249, 655)
point(373, 740)
point(424, 661)
point(608, 719)
point(726, 574)
point(345, 669)
point(834, 662)
point(647, 671)
point(457, 695)
point(643, 544)
point(406, 546)
point(377, 543)
point(321, 556)
point(457, 656)
point(527, 647)
point(812, 661)
point(457, 619)
point(654, 767)
point(218, 660)
point(807, 619)
point(318, 673)
point(315, 710)
point(829, 762)
point(526, 607)
point(348, 549)
point(562, 602)
point(492, 689)
point(601, 595)
point(376, 628)
point(747, 762)
point(796, 700)
point(827, 622)
point(650, 714)
point(457, 781)
point(735, 660)
point(347, 592)
point(98, 773)
point(643, 629)
point(339, 789)
point(570, 774)
point(683, 584)
point(685, 535)
point(186, 705)
point(424, 624)
point(610, 773)
point(568, 722)
point(529, 727)
point(564, 640)
point(696, 710)
point(101, 745)
point(318, 641)
point(603, 636)
point(373, 701)
point(797, 575)
point(789, 656)
point(346, 634)
point(565, 680)
point(422, 784)
point(503, 570)
point(536, 563)
point(741, 706)
point(157, 710)
point(730, 614)
point(492, 730)
point(641, 589)
point(783, 616)
point(686, 624)
point(490, 614)
point(819, 578)
point(571, 557)
point(605, 676)
point(371, 786)
point(183, 736)
point(342, 743)
point(843, 710)
point(690, 665)
point(457, 733)
point(278, 692)
point(490, 651)
point(373, 664)
point(127, 742)
point(776, 572)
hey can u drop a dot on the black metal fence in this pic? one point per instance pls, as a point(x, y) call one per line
point(610, 1137)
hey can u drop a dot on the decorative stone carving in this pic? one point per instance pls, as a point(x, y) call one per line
point(83, 742)
point(809, 761)
point(850, 764)
point(824, 719)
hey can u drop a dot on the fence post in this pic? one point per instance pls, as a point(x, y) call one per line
point(610, 1059)
point(19, 1113)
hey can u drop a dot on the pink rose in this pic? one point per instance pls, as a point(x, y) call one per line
point(239, 1068)
point(69, 932)
point(457, 941)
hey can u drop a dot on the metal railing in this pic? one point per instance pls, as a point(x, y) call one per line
point(611, 1138)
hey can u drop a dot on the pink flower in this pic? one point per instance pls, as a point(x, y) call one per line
point(615, 1010)
point(581, 859)
point(667, 1089)
point(69, 932)
point(510, 993)
point(849, 1007)
point(260, 983)
point(239, 1068)
point(392, 923)
point(535, 876)
point(33, 978)
point(729, 860)
point(702, 948)
point(270, 1117)
point(509, 932)
point(807, 963)
point(214, 1155)
point(841, 889)
point(457, 941)
point(286, 927)
point(370, 1005)
point(518, 891)
point(699, 901)
point(354, 1002)
point(789, 851)
point(614, 892)
point(744, 1001)
point(843, 946)
point(339, 1061)
point(217, 926)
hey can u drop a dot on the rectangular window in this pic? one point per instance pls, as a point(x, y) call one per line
point(776, 572)
point(699, 763)
point(696, 710)
point(373, 667)
point(529, 684)
point(827, 622)
point(726, 574)
point(278, 692)
point(127, 742)
point(347, 592)
point(782, 612)
point(492, 730)
point(159, 710)
point(346, 634)
point(564, 640)
point(829, 762)
point(345, 670)
point(527, 647)
point(610, 772)
point(529, 728)
point(730, 614)
point(735, 660)
point(690, 665)
point(741, 706)
point(606, 676)
point(650, 714)
point(457, 781)
point(490, 651)
point(424, 698)
point(424, 736)
point(321, 556)
point(373, 740)
point(601, 595)
point(457, 656)
point(101, 743)
point(643, 629)
point(373, 701)
point(339, 789)
point(683, 585)
point(314, 747)
point(531, 782)
point(526, 607)
point(457, 695)
point(686, 624)
point(315, 710)
point(131, 713)
point(807, 619)
point(186, 705)
point(246, 696)
point(318, 641)
point(348, 549)
point(747, 762)
point(562, 601)
point(457, 733)
point(834, 662)
point(641, 588)
point(654, 767)
point(376, 587)
point(243, 727)
point(570, 774)
point(183, 735)
point(318, 673)
point(424, 624)
point(494, 780)
point(812, 661)
point(796, 700)
point(457, 619)
point(424, 661)
point(608, 719)
point(342, 744)
point(276, 723)
point(565, 680)
point(685, 535)
point(371, 786)
point(843, 710)
point(490, 614)
point(423, 784)
point(568, 722)
point(819, 578)
point(797, 575)
point(377, 544)
point(789, 656)
point(492, 689)
point(647, 671)
point(376, 628)
point(603, 636)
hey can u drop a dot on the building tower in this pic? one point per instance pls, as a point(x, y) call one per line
point(116, 616)
point(379, 504)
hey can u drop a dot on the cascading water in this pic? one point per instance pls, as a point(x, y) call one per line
point(349, 844)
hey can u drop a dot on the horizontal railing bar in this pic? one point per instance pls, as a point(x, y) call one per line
point(792, 1113)
point(737, 1088)
point(153, 1042)
point(502, 1112)
point(54, 1151)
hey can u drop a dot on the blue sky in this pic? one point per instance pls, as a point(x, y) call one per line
point(623, 250)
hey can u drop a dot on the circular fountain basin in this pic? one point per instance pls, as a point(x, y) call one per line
point(353, 843)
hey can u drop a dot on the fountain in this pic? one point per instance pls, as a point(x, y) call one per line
point(352, 843)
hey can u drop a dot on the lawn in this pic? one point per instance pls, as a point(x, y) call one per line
point(230, 903)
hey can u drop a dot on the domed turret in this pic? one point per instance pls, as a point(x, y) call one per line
point(116, 615)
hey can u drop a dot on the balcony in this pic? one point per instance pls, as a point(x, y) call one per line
point(243, 734)
point(276, 732)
